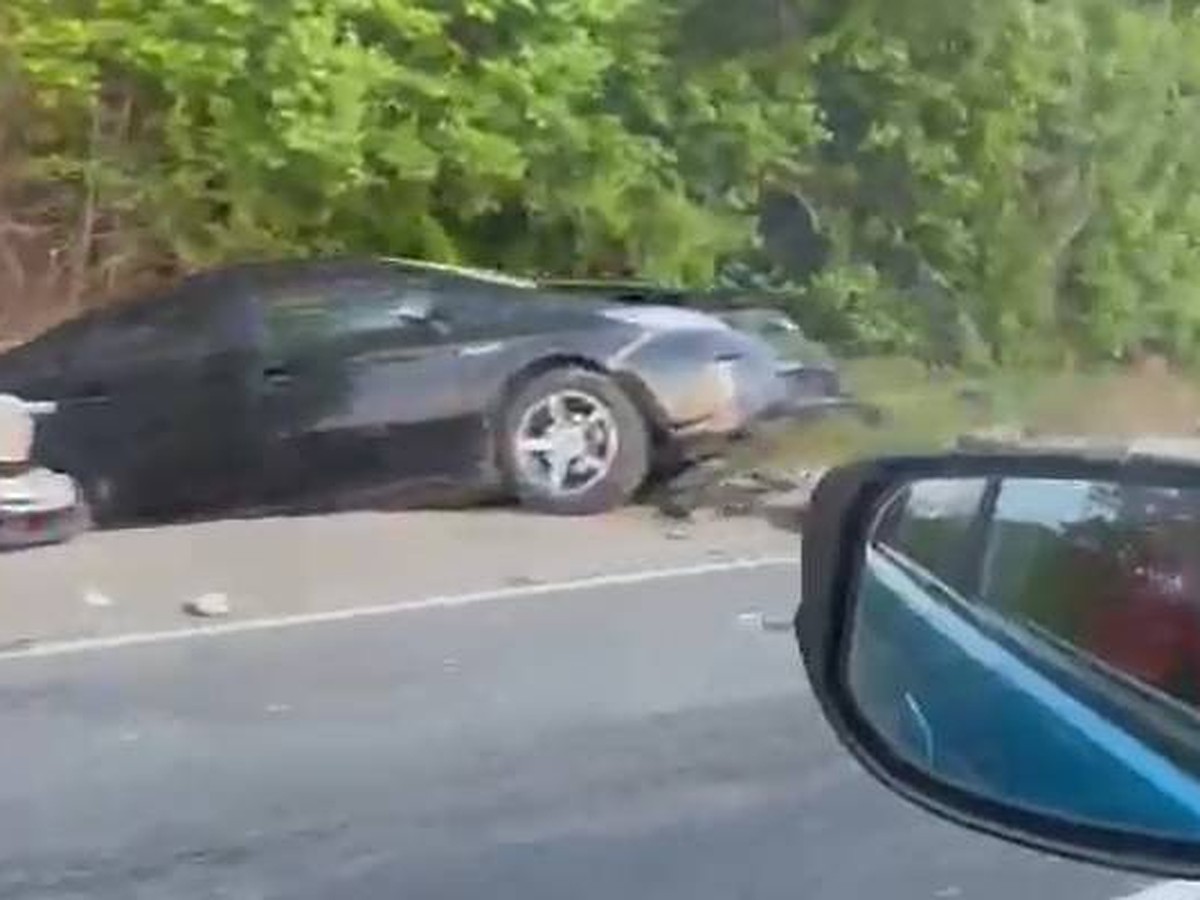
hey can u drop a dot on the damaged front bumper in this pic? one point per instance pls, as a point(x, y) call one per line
point(703, 389)
point(738, 403)
point(816, 391)
point(724, 402)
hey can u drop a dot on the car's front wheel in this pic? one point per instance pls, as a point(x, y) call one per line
point(573, 443)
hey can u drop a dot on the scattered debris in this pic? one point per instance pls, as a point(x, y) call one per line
point(750, 619)
point(778, 497)
point(93, 597)
point(521, 581)
point(740, 494)
point(759, 622)
point(786, 511)
point(681, 494)
point(18, 644)
point(208, 606)
point(673, 507)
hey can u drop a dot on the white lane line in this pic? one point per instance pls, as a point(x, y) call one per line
point(1167, 890)
point(449, 601)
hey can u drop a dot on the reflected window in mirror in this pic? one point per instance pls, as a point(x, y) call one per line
point(936, 525)
point(1110, 571)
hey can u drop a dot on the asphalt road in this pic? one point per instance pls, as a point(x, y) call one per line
point(636, 740)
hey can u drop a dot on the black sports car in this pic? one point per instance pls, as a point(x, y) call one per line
point(268, 385)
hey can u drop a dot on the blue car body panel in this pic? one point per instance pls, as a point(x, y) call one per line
point(970, 708)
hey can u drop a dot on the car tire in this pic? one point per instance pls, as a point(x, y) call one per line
point(609, 483)
point(79, 522)
point(98, 501)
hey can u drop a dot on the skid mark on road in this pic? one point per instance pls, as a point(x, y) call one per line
point(448, 601)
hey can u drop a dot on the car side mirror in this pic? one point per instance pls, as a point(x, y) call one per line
point(1013, 642)
point(419, 311)
point(413, 313)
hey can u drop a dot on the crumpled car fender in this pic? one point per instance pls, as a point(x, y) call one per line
point(704, 381)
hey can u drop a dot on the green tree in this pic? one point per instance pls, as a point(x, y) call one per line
point(989, 180)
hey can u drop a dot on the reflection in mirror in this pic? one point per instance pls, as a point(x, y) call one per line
point(1037, 642)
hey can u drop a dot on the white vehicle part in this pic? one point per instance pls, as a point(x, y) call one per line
point(37, 491)
point(16, 429)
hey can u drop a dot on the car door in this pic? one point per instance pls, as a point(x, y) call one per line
point(359, 384)
point(152, 406)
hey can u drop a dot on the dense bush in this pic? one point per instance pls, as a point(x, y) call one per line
point(982, 180)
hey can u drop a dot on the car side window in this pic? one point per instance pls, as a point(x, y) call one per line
point(468, 305)
point(1092, 564)
point(936, 524)
point(309, 313)
point(1101, 580)
point(298, 319)
point(483, 310)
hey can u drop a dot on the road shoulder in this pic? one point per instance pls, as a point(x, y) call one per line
point(141, 580)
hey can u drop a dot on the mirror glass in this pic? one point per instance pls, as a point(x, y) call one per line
point(1037, 642)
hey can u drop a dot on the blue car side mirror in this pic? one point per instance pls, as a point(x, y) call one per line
point(1013, 642)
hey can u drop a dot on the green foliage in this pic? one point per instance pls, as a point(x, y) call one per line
point(1040, 157)
point(556, 135)
point(989, 181)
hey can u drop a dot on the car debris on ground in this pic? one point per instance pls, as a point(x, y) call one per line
point(208, 606)
point(780, 498)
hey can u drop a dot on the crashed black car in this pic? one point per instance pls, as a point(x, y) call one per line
point(274, 384)
point(812, 384)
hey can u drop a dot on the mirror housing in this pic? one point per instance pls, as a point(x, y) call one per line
point(418, 309)
point(844, 512)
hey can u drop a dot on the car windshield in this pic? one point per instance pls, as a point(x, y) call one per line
point(409, 409)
